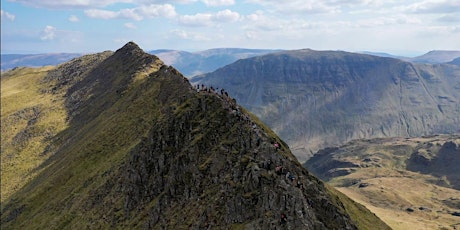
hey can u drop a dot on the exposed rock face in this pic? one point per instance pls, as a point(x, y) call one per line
point(210, 177)
point(146, 150)
point(315, 99)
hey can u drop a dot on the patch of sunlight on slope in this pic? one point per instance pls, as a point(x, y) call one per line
point(147, 70)
point(30, 117)
point(390, 197)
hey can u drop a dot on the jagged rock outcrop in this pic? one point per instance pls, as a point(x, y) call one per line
point(316, 99)
point(146, 150)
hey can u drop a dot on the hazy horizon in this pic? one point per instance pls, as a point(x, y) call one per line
point(406, 28)
point(408, 54)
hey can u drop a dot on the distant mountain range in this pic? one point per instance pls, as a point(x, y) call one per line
point(199, 62)
point(194, 63)
point(10, 61)
point(436, 56)
point(315, 99)
point(432, 57)
point(189, 63)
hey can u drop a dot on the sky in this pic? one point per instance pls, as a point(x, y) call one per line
point(399, 27)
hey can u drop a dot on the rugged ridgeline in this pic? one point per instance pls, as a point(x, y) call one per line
point(410, 183)
point(144, 149)
point(316, 99)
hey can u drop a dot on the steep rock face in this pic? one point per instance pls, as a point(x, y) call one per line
point(315, 99)
point(145, 150)
point(210, 177)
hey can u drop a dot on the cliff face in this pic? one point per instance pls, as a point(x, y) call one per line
point(144, 149)
point(315, 99)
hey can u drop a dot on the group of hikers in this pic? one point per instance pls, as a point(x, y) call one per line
point(229, 102)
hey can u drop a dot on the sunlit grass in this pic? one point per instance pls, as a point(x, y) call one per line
point(23, 144)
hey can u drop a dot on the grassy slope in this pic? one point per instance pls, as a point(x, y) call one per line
point(97, 149)
point(29, 118)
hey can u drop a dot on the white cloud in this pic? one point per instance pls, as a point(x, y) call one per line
point(101, 14)
point(73, 18)
point(450, 18)
point(180, 34)
point(193, 36)
point(67, 4)
point(7, 15)
point(435, 7)
point(297, 6)
point(227, 16)
point(48, 33)
point(218, 2)
point(138, 13)
point(166, 10)
point(196, 20)
point(260, 21)
point(129, 25)
point(90, 4)
point(208, 19)
point(389, 20)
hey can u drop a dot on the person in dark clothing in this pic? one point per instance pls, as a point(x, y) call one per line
point(283, 218)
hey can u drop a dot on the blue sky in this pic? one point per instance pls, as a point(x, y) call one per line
point(394, 26)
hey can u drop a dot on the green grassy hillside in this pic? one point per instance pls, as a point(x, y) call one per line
point(30, 118)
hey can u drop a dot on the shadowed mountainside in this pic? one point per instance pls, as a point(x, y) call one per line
point(410, 183)
point(315, 99)
point(141, 148)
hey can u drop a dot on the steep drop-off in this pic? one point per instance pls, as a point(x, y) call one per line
point(143, 149)
point(316, 99)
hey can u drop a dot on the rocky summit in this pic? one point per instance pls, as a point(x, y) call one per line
point(130, 144)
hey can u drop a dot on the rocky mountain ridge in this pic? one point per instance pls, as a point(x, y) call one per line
point(144, 149)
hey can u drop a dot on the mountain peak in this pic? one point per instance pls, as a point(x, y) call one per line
point(130, 48)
